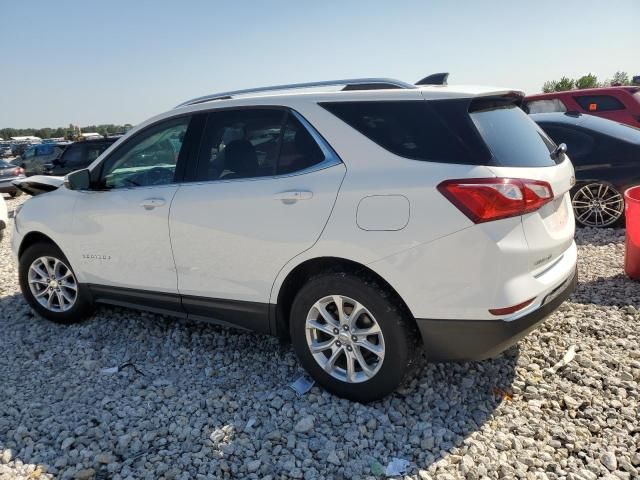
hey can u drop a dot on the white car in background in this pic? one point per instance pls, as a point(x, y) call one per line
point(362, 219)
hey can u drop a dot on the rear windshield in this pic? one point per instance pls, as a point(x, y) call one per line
point(513, 138)
point(443, 131)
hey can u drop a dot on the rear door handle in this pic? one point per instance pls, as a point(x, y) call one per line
point(293, 196)
point(151, 203)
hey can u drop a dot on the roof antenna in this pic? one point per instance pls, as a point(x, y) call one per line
point(434, 79)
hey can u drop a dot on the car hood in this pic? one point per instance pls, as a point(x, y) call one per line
point(38, 184)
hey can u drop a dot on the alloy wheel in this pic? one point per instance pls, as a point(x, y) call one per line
point(597, 205)
point(53, 284)
point(345, 339)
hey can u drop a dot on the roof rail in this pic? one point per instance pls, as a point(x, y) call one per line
point(349, 84)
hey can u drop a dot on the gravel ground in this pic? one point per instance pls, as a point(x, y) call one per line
point(209, 402)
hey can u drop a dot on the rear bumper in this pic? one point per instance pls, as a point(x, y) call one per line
point(455, 340)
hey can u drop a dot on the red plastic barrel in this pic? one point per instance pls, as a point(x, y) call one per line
point(632, 239)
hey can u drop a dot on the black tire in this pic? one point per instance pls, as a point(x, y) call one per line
point(590, 220)
point(83, 306)
point(401, 338)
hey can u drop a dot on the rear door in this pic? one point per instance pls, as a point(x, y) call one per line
point(262, 192)
point(520, 149)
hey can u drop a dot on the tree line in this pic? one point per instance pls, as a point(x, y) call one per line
point(586, 81)
point(67, 132)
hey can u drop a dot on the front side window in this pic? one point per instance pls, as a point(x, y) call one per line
point(252, 143)
point(599, 103)
point(148, 158)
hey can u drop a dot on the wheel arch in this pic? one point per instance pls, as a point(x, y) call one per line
point(32, 238)
point(313, 266)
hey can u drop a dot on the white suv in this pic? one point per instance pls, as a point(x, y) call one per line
point(362, 219)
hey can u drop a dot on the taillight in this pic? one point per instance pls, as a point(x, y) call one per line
point(487, 199)
point(18, 171)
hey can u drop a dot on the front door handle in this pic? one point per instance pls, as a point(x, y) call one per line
point(293, 196)
point(151, 203)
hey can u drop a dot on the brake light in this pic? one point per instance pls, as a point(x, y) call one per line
point(488, 199)
point(18, 171)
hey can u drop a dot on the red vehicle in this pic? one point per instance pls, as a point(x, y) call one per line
point(621, 104)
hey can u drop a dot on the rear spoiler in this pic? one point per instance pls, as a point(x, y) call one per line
point(38, 184)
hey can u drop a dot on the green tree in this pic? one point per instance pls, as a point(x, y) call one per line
point(565, 83)
point(587, 81)
point(549, 86)
point(620, 78)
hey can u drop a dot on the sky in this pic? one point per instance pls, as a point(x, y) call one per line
point(122, 61)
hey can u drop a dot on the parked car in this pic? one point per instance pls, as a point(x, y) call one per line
point(5, 150)
point(606, 156)
point(8, 174)
point(621, 104)
point(4, 216)
point(362, 219)
point(77, 155)
point(33, 159)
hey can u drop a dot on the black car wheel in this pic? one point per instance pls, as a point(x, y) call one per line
point(598, 205)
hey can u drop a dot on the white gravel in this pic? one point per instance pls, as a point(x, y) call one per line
point(210, 402)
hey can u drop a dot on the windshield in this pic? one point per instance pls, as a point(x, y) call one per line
point(513, 138)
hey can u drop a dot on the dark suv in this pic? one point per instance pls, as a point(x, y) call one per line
point(78, 155)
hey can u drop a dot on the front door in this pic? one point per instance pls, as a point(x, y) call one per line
point(264, 190)
point(121, 228)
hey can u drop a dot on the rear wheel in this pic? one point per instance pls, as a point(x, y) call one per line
point(598, 205)
point(50, 286)
point(352, 337)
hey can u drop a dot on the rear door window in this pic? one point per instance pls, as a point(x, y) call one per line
point(599, 103)
point(252, 143)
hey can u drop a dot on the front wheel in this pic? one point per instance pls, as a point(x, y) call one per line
point(598, 205)
point(50, 286)
point(352, 336)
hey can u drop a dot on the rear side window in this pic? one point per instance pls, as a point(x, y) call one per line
point(513, 138)
point(438, 131)
point(599, 103)
point(546, 106)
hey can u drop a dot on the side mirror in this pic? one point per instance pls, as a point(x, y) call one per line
point(78, 180)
